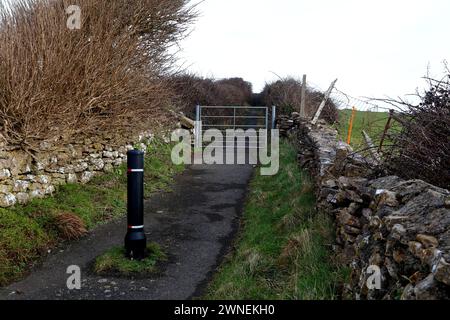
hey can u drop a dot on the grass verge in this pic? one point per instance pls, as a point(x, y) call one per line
point(114, 263)
point(28, 232)
point(283, 251)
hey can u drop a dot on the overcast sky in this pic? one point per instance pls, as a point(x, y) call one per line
point(376, 48)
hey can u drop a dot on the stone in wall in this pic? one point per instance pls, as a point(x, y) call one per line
point(7, 200)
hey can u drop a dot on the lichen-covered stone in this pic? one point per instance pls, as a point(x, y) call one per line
point(63, 159)
point(80, 167)
point(4, 188)
point(37, 193)
point(30, 178)
point(95, 156)
point(97, 164)
point(7, 200)
point(49, 190)
point(427, 241)
point(108, 167)
point(23, 198)
point(387, 198)
point(44, 179)
point(345, 218)
point(442, 271)
point(86, 176)
point(19, 163)
point(118, 162)
point(72, 178)
point(426, 289)
point(5, 174)
point(21, 186)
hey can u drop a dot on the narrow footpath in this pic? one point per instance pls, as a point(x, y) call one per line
point(195, 225)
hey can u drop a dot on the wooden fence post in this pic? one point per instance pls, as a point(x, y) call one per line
point(386, 128)
point(324, 101)
point(303, 101)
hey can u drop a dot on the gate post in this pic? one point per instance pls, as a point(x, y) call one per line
point(135, 240)
point(274, 117)
point(197, 128)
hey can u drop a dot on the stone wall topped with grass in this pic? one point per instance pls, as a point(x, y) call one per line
point(383, 223)
point(26, 174)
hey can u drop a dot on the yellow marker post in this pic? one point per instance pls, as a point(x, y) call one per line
point(350, 126)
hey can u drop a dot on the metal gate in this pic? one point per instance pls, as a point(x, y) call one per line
point(235, 118)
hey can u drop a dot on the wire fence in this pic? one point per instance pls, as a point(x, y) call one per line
point(357, 116)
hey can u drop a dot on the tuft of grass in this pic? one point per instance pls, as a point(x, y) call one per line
point(283, 250)
point(159, 169)
point(114, 262)
point(70, 226)
point(22, 239)
point(28, 232)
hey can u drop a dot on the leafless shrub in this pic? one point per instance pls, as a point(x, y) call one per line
point(102, 78)
point(286, 94)
point(422, 148)
point(191, 90)
point(234, 91)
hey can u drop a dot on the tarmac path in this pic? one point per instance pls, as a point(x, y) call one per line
point(195, 224)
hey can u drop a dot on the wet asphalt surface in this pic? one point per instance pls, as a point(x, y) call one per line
point(195, 224)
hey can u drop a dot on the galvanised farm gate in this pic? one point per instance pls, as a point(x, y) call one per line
point(245, 121)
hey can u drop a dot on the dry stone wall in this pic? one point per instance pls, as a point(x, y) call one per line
point(383, 223)
point(28, 175)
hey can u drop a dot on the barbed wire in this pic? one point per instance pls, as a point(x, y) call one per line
point(344, 100)
point(371, 118)
point(350, 101)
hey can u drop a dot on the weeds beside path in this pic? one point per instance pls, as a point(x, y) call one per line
point(283, 251)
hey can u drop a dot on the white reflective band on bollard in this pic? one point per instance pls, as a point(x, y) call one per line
point(136, 227)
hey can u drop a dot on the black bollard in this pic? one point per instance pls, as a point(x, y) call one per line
point(135, 240)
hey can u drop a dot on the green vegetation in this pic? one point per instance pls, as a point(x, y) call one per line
point(27, 232)
point(114, 262)
point(372, 122)
point(283, 249)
